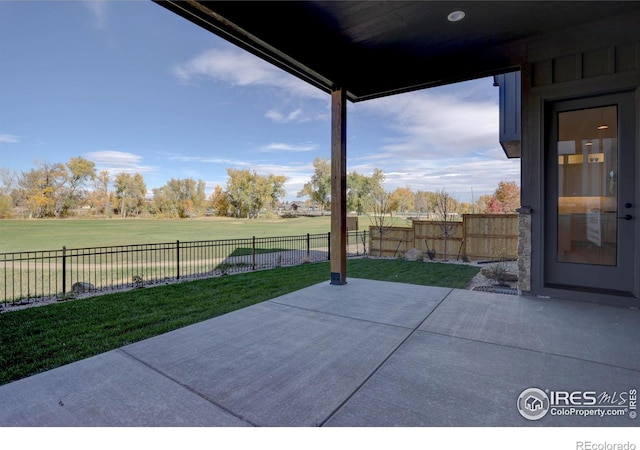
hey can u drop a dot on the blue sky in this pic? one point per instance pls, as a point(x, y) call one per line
point(136, 88)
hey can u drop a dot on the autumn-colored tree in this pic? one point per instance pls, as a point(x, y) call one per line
point(100, 199)
point(248, 192)
point(7, 179)
point(482, 204)
point(53, 189)
point(180, 198)
point(6, 206)
point(494, 206)
point(220, 201)
point(508, 194)
point(319, 188)
point(465, 208)
point(277, 189)
point(40, 189)
point(79, 171)
point(402, 200)
point(130, 192)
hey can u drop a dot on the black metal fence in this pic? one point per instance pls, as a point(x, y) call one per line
point(32, 276)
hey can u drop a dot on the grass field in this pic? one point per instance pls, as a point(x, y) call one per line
point(53, 234)
point(42, 338)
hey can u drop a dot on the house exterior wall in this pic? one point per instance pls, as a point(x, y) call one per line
point(600, 59)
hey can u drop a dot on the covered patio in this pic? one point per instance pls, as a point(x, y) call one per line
point(394, 355)
point(379, 354)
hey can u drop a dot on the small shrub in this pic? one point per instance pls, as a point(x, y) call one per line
point(270, 215)
point(138, 281)
point(499, 271)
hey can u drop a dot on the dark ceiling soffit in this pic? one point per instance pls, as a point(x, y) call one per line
point(197, 13)
point(211, 21)
point(357, 69)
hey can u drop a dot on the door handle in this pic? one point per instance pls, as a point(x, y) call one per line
point(626, 217)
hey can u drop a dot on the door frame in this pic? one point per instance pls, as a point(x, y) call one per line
point(628, 138)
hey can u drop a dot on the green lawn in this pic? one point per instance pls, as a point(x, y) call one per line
point(53, 234)
point(42, 338)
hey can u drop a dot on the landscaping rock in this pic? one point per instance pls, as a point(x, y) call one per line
point(82, 286)
point(413, 255)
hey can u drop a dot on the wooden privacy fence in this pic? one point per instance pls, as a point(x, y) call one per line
point(477, 237)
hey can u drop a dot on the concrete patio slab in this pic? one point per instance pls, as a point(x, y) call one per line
point(443, 381)
point(401, 304)
point(365, 354)
point(598, 333)
point(273, 365)
point(107, 390)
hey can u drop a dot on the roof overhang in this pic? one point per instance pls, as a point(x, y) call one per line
point(377, 48)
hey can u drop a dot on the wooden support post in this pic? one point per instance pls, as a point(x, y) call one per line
point(338, 187)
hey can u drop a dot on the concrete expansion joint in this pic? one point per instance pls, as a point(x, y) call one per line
point(384, 361)
point(188, 388)
point(343, 316)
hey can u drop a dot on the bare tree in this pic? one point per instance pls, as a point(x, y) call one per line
point(445, 208)
point(380, 217)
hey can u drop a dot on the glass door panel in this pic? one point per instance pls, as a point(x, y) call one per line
point(587, 152)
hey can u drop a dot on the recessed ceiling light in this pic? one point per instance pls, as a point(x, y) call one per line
point(455, 16)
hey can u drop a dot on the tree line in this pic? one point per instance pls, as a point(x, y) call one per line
point(366, 194)
point(56, 190)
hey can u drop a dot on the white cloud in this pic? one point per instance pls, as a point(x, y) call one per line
point(117, 162)
point(239, 68)
point(437, 125)
point(9, 139)
point(98, 10)
point(297, 175)
point(461, 177)
point(438, 138)
point(277, 116)
point(207, 160)
point(299, 115)
point(282, 147)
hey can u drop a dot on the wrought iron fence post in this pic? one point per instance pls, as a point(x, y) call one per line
point(253, 253)
point(177, 260)
point(308, 246)
point(329, 246)
point(64, 270)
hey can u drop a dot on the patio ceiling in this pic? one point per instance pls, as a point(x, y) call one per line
point(377, 48)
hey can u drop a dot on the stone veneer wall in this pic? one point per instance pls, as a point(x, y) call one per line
point(524, 251)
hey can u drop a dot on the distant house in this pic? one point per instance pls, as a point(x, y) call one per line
point(293, 207)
